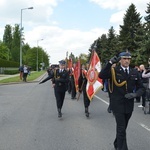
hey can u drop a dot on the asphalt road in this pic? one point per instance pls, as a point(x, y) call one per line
point(28, 121)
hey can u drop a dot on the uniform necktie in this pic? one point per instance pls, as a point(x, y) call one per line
point(126, 72)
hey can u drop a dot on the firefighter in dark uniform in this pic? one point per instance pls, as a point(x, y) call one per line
point(123, 80)
point(73, 86)
point(69, 82)
point(59, 80)
point(82, 82)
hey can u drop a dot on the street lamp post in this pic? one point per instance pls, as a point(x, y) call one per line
point(37, 67)
point(21, 35)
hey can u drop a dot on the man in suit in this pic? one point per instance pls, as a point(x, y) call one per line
point(123, 80)
point(60, 79)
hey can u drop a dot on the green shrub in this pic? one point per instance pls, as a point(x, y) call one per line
point(5, 63)
point(11, 72)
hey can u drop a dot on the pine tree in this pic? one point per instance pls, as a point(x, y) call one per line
point(102, 48)
point(147, 30)
point(112, 42)
point(128, 31)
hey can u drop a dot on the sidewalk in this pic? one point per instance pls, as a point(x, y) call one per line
point(3, 76)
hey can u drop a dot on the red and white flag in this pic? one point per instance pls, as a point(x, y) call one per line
point(94, 83)
point(76, 74)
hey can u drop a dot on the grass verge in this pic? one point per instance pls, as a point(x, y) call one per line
point(33, 76)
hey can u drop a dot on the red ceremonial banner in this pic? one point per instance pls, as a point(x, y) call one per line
point(94, 83)
point(76, 74)
point(70, 63)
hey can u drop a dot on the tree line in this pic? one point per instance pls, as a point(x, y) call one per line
point(10, 48)
point(134, 36)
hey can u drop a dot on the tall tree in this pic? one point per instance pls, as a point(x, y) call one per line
point(3, 51)
point(16, 43)
point(139, 57)
point(147, 29)
point(7, 39)
point(83, 58)
point(102, 48)
point(31, 58)
point(131, 22)
point(73, 57)
point(112, 42)
point(25, 49)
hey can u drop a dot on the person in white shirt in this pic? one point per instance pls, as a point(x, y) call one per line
point(146, 74)
point(25, 73)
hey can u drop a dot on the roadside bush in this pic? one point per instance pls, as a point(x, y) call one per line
point(11, 72)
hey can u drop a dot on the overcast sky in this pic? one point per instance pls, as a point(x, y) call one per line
point(65, 25)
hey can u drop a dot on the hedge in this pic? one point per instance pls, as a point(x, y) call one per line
point(11, 72)
point(5, 63)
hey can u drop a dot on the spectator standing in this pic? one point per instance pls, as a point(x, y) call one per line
point(146, 74)
point(145, 84)
point(25, 73)
point(21, 72)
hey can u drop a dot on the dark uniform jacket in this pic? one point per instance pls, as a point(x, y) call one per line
point(60, 79)
point(82, 81)
point(120, 104)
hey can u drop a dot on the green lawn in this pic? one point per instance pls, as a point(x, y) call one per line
point(33, 76)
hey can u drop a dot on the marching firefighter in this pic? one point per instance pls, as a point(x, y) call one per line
point(82, 82)
point(59, 80)
point(73, 86)
point(123, 80)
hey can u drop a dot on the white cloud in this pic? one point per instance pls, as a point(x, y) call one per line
point(58, 41)
point(45, 2)
point(11, 10)
point(121, 6)
point(108, 4)
point(117, 18)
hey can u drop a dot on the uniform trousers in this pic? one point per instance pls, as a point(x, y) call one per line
point(73, 88)
point(86, 99)
point(69, 86)
point(122, 120)
point(60, 95)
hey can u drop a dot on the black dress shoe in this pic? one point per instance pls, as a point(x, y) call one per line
point(73, 98)
point(108, 109)
point(87, 114)
point(59, 115)
point(115, 144)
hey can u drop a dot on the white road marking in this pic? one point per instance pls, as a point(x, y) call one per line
point(141, 124)
point(101, 100)
point(144, 126)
